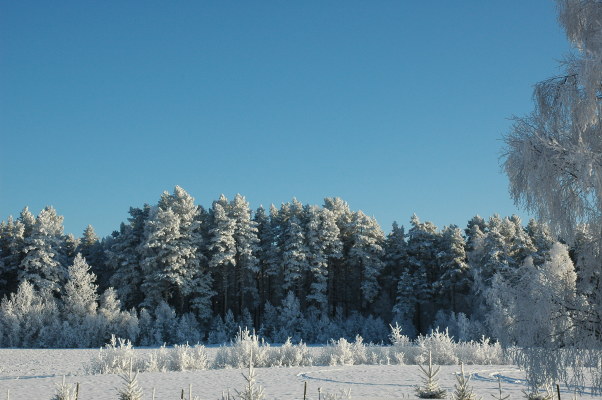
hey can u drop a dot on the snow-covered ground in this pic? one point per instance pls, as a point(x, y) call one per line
point(33, 374)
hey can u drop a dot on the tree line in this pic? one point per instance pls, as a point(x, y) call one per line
point(304, 271)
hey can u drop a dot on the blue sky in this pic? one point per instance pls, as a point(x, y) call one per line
point(398, 107)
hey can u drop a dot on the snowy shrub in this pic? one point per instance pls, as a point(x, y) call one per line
point(240, 351)
point(439, 345)
point(290, 355)
point(482, 352)
point(186, 358)
point(159, 361)
point(116, 357)
point(341, 352)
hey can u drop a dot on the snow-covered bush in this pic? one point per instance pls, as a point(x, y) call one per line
point(439, 345)
point(482, 352)
point(177, 358)
point(188, 358)
point(239, 352)
point(290, 355)
point(115, 357)
point(342, 352)
point(159, 361)
point(337, 352)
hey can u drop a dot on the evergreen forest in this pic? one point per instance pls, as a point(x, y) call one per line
point(177, 272)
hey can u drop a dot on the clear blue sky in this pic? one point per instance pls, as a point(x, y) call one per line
point(395, 106)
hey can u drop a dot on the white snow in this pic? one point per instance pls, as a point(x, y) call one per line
point(33, 374)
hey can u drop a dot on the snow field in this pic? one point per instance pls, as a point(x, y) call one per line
point(33, 374)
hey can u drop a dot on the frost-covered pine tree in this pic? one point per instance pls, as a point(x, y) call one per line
point(290, 320)
point(170, 250)
point(462, 389)
point(542, 239)
point(423, 266)
point(79, 293)
point(113, 321)
point(247, 246)
point(294, 252)
point(124, 258)
point(405, 304)
point(267, 256)
point(339, 275)
point(222, 253)
point(252, 390)
point(79, 303)
point(92, 249)
point(65, 391)
point(455, 276)
point(45, 262)
point(366, 255)
point(165, 322)
point(395, 258)
point(324, 245)
point(12, 240)
point(131, 389)
point(430, 388)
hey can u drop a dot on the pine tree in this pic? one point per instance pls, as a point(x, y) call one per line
point(339, 275)
point(247, 246)
point(252, 391)
point(395, 261)
point(455, 276)
point(423, 240)
point(45, 263)
point(542, 239)
point(80, 297)
point(294, 253)
point(366, 255)
point(222, 252)
point(65, 391)
point(463, 391)
point(267, 257)
point(324, 246)
point(430, 389)
point(124, 258)
point(405, 304)
point(170, 250)
point(92, 249)
point(131, 388)
point(12, 238)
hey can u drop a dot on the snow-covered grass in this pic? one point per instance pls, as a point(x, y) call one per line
point(116, 356)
